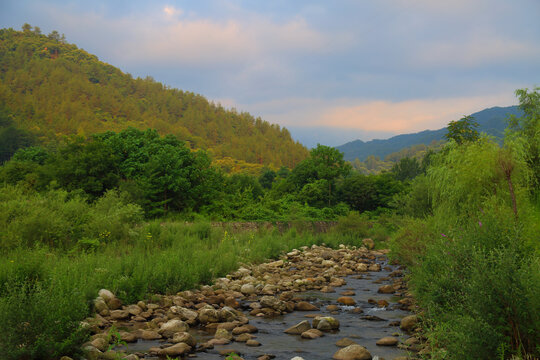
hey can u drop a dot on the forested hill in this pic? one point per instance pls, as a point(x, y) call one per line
point(491, 121)
point(52, 88)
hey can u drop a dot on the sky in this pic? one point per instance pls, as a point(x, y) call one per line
point(336, 70)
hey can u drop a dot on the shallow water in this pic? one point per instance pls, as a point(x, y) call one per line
point(352, 325)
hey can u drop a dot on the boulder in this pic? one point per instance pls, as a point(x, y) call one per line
point(346, 300)
point(175, 350)
point(345, 342)
point(106, 295)
point(184, 313)
point(305, 306)
point(119, 314)
point(368, 243)
point(408, 323)
point(273, 303)
point(100, 344)
point(208, 315)
point(253, 342)
point(223, 334)
point(362, 267)
point(312, 334)
point(171, 327)
point(325, 323)
point(247, 289)
point(134, 310)
point(149, 335)
point(352, 352)
point(184, 337)
point(298, 328)
point(387, 341)
point(386, 289)
point(227, 314)
point(244, 329)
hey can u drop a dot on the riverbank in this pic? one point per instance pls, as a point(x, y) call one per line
point(308, 303)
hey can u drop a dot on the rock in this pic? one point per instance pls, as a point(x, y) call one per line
point(298, 328)
point(345, 342)
point(228, 325)
point(327, 289)
point(305, 306)
point(348, 293)
point(101, 307)
point(312, 334)
point(362, 267)
point(184, 337)
point(111, 355)
point(227, 314)
point(65, 358)
point(374, 267)
point(130, 357)
point(325, 323)
point(208, 315)
point(346, 300)
point(253, 343)
point(119, 314)
point(100, 343)
point(142, 305)
point(175, 350)
point(369, 243)
point(273, 303)
point(134, 310)
point(106, 295)
point(231, 302)
point(244, 329)
point(387, 341)
point(332, 308)
point(223, 334)
point(114, 304)
point(92, 353)
point(386, 289)
point(297, 358)
point(173, 326)
point(352, 352)
point(408, 323)
point(213, 342)
point(149, 335)
point(243, 337)
point(127, 337)
point(382, 303)
point(278, 263)
point(184, 313)
point(247, 289)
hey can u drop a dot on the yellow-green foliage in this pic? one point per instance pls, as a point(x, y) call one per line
point(54, 88)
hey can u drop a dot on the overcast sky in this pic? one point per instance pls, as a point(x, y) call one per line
point(368, 68)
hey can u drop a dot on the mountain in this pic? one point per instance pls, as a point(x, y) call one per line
point(54, 89)
point(492, 121)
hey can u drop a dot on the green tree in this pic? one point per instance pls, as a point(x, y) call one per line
point(463, 130)
point(406, 169)
point(525, 132)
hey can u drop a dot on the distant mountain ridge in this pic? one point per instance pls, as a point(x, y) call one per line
point(491, 121)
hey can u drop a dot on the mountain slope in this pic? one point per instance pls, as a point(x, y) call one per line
point(491, 121)
point(53, 89)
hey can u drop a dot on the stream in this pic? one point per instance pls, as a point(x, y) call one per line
point(363, 327)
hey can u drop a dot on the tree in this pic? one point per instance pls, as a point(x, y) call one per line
point(463, 130)
point(526, 131)
point(324, 163)
point(406, 169)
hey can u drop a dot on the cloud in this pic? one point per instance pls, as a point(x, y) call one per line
point(478, 49)
point(171, 11)
point(169, 36)
point(374, 116)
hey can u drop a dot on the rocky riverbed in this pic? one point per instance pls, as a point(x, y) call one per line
point(312, 303)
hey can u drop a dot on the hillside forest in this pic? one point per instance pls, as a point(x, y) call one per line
point(104, 176)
